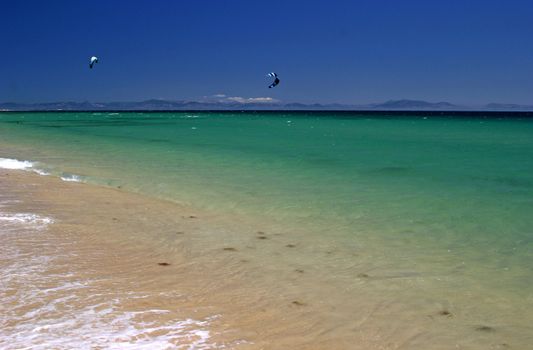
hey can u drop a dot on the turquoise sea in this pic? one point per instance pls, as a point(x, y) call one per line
point(447, 198)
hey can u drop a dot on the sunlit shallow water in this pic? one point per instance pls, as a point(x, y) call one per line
point(434, 210)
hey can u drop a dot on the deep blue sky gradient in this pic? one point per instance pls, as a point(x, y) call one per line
point(462, 51)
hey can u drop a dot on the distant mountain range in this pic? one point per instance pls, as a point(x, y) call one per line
point(158, 104)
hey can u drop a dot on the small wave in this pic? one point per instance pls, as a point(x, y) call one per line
point(26, 165)
point(72, 177)
point(41, 172)
point(14, 164)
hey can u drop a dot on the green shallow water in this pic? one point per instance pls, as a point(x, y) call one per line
point(435, 193)
point(469, 180)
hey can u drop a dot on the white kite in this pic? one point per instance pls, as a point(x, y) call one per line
point(94, 60)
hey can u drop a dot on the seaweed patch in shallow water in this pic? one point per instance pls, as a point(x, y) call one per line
point(486, 329)
point(298, 303)
point(445, 313)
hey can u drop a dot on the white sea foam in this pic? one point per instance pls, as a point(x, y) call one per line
point(26, 219)
point(26, 165)
point(72, 178)
point(60, 322)
point(41, 172)
point(102, 326)
point(14, 164)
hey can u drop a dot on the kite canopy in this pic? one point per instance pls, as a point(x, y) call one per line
point(276, 80)
point(94, 60)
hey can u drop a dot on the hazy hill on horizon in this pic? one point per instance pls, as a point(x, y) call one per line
point(161, 104)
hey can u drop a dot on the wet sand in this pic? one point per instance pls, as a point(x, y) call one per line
point(116, 269)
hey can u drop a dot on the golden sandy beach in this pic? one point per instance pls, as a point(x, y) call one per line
point(104, 274)
point(102, 268)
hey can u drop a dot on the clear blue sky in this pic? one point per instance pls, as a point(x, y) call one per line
point(462, 51)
